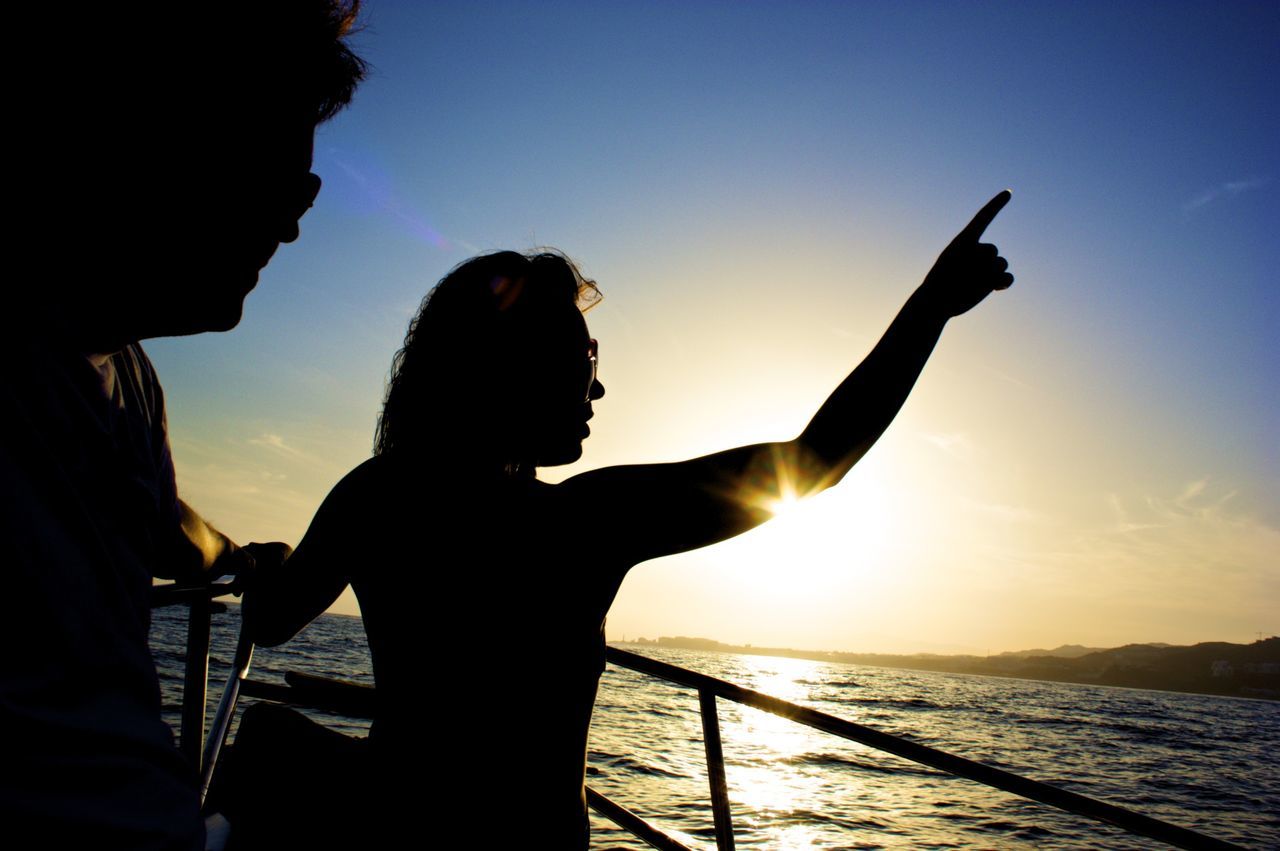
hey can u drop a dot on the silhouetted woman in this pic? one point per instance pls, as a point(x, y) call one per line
point(484, 590)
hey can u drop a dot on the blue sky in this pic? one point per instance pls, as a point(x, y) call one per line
point(757, 187)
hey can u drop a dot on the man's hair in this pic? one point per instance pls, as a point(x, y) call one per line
point(112, 68)
point(295, 51)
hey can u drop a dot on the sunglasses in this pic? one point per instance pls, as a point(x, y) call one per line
point(593, 358)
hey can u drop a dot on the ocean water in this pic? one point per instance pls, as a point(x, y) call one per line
point(1207, 763)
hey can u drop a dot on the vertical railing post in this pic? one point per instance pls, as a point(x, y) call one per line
point(715, 771)
point(196, 681)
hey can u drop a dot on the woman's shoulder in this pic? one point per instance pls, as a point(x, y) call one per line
point(359, 482)
point(366, 488)
point(370, 472)
point(386, 482)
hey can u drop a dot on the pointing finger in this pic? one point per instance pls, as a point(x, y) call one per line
point(974, 230)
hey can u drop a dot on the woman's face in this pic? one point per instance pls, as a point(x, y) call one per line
point(555, 386)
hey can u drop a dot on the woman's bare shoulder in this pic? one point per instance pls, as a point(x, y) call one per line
point(388, 486)
point(360, 491)
point(357, 483)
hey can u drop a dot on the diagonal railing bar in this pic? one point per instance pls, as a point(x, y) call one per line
point(1128, 820)
point(225, 712)
point(627, 820)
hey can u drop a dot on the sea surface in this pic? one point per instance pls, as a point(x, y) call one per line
point(1207, 763)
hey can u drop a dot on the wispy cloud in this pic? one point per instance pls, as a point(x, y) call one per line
point(1122, 523)
point(1008, 513)
point(1004, 376)
point(1195, 554)
point(1193, 490)
point(957, 444)
point(1229, 189)
point(264, 487)
point(276, 442)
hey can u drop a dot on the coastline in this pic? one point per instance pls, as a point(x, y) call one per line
point(1210, 668)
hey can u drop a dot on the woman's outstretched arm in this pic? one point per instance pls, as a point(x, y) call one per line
point(644, 511)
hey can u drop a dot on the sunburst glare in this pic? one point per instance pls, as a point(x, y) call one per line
point(785, 504)
point(780, 479)
point(815, 545)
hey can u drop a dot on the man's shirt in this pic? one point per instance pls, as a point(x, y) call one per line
point(90, 514)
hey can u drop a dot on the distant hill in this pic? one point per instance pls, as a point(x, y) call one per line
point(1069, 651)
point(1066, 651)
point(1213, 667)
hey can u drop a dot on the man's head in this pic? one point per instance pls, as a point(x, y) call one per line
point(176, 158)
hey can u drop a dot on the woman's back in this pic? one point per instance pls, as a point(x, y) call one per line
point(486, 630)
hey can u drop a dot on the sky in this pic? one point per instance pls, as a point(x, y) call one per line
point(1090, 457)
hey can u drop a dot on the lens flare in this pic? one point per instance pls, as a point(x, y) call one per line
point(371, 191)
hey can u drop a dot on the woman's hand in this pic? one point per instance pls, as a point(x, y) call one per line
point(967, 270)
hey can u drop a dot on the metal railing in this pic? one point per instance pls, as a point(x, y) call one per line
point(710, 688)
point(356, 701)
point(199, 600)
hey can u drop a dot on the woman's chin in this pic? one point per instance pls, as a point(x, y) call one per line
point(561, 455)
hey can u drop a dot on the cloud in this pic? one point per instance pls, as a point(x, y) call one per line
point(274, 441)
point(265, 487)
point(1192, 490)
point(956, 444)
point(1004, 376)
point(247, 503)
point(1195, 553)
point(276, 444)
point(1122, 522)
point(1008, 513)
point(1229, 189)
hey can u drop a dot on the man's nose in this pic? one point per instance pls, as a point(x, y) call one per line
point(306, 196)
point(596, 392)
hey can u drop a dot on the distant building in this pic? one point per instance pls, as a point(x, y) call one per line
point(1222, 668)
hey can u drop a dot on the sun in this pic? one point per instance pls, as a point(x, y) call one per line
point(784, 504)
point(780, 479)
point(817, 545)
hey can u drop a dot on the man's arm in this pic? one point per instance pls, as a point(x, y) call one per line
point(203, 551)
point(202, 554)
point(197, 552)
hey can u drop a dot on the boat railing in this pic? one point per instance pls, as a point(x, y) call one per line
point(201, 604)
point(710, 688)
point(356, 701)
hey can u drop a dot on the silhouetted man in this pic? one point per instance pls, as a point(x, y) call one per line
point(167, 155)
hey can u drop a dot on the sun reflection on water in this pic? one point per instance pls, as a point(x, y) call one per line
point(769, 770)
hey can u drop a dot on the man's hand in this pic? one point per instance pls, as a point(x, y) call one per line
point(257, 558)
point(967, 270)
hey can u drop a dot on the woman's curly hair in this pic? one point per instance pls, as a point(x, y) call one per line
point(470, 324)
